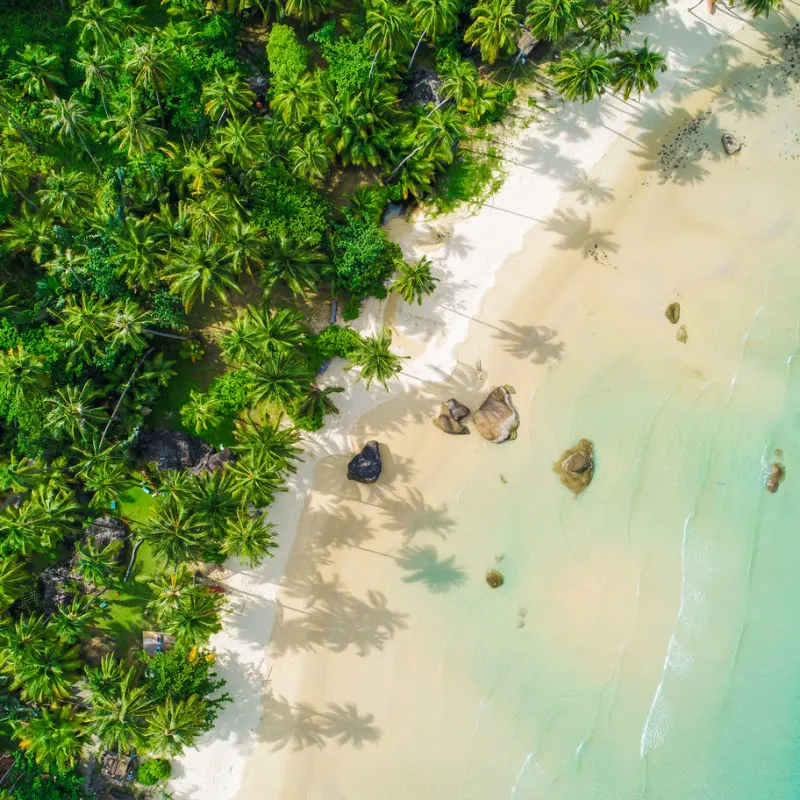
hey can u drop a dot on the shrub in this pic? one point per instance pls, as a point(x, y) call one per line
point(363, 258)
point(333, 342)
point(153, 771)
point(287, 57)
point(168, 310)
point(231, 391)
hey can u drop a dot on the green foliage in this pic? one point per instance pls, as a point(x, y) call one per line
point(363, 259)
point(286, 207)
point(335, 342)
point(287, 57)
point(231, 391)
point(349, 64)
point(31, 782)
point(153, 771)
point(182, 672)
point(471, 179)
point(168, 311)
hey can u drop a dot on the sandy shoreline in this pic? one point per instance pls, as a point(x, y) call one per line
point(553, 164)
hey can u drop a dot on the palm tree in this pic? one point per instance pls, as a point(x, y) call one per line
point(278, 379)
point(227, 95)
point(635, 70)
point(30, 231)
point(120, 721)
point(201, 412)
point(65, 194)
point(278, 442)
point(13, 581)
point(97, 565)
point(762, 8)
point(202, 170)
point(75, 412)
point(198, 269)
point(71, 623)
point(606, 25)
point(96, 70)
point(22, 373)
point(495, 28)
point(169, 591)
point(311, 157)
point(175, 725)
point(196, 618)
point(37, 70)
point(135, 132)
point(108, 482)
point(54, 737)
point(251, 336)
point(102, 26)
point(433, 18)
point(210, 215)
point(554, 19)
point(460, 84)
point(213, 501)
point(295, 267)
point(306, 10)
point(375, 359)
point(582, 75)
point(149, 64)
point(23, 639)
point(415, 281)
point(126, 325)
point(292, 104)
point(49, 676)
point(14, 176)
point(137, 250)
point(69, 120)
point(317, 402)
point(104, 681)
point(241, 140)
point(85, 324)
point(174, 533)
point(249, 539)
point(256, 478)
point(245, 245)
point(389, 27)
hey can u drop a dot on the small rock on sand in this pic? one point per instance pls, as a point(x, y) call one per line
point(673, 312)
point(730, 144)
point(681, 335)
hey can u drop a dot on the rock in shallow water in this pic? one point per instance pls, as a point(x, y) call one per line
point(494, 578)
point(776, 475)
point(457, 411)
point(730, 144)
point(497, 419)
point(576, 466)
point(365, 467)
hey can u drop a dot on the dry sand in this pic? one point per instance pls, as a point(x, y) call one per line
point(326, 644)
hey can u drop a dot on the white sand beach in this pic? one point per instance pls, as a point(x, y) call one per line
point(328, 645)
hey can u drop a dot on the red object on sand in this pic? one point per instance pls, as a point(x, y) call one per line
point(216, 589)
point(710, 4)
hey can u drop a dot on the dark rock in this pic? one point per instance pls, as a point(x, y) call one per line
point(55, 588)
point(425, 87)
point(497, 419)
point(673, 312)
point(213, 461)
point(445, 422)
point(576, 463)
point(730, 144)
point(576, 466)
point(365, 467)
point(457, 411)
point(172, 449)
point(776, 475)
point(107, 530)
point(494, 578)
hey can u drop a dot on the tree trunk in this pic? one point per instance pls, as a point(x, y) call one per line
point(414, 54)
point(133, 558)
point(89, 153)
point(26, 199)
point(167, 335)
point(372, 66)
point(122, 396)
point(396, 169)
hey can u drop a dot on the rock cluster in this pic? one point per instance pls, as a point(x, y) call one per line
point(366, 466)
point(178, 450)
point(497, 420)
point(450, 415)
point(575, 467)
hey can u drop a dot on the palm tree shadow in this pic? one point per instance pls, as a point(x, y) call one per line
point(425, 567)
point(535, 342)
point(412, 515)
point(591, 190)
point(302, 725)
point(577, 233)
point(346, 726)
